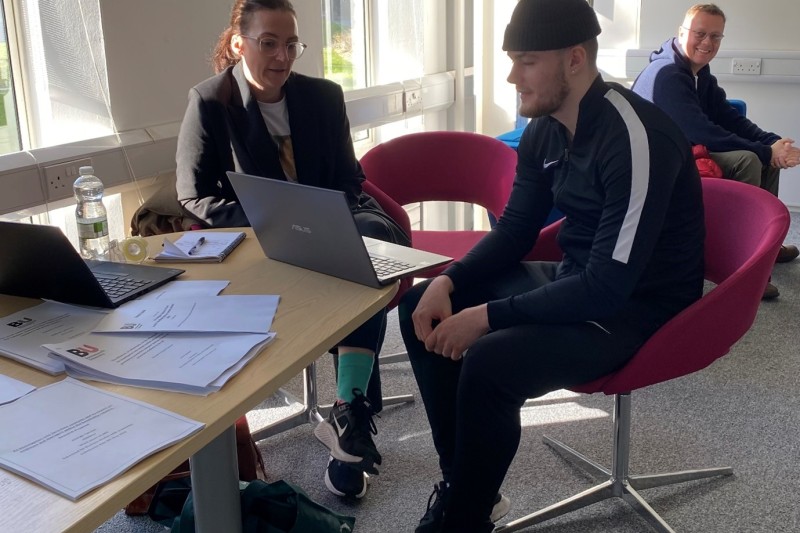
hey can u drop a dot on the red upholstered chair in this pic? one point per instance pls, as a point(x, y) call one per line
point(745, 227)
point(451, 166)
point(400, 216)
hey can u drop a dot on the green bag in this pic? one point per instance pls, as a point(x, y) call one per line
point(278, 507)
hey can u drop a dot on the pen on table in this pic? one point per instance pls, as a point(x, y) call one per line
point(197, 246)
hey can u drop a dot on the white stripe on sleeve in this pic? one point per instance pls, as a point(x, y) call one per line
point(640, 175)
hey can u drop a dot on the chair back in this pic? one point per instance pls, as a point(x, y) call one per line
point(452, 166)
point(745, 227)
point(399, 215)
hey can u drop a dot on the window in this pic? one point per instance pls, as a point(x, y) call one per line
point(63, 60)
point(345, 52)
point(9, 121)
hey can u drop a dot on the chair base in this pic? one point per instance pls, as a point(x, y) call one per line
point(388, 359)
point(312, 413)
point(619, 483)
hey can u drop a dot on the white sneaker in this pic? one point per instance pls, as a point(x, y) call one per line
point(501, 507)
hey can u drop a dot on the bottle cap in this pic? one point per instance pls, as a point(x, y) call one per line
point(85, 171)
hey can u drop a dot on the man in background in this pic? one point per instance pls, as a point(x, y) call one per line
point(679, 81)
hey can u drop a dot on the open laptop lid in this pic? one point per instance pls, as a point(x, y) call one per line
point(42, 263)
point(313, 228)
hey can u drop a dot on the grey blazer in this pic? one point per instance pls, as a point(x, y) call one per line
point(223, 130)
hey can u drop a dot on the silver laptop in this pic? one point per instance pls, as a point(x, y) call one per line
point(40, 262)
point(313, 228)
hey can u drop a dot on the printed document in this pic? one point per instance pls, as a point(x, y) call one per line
point(170, 361)
point(11, 389)
point(71, 437)
point(222, 314)
point(23, 333)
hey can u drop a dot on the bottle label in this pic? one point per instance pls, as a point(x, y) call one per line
point(93, 230)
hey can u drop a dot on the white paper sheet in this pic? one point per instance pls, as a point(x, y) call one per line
point(71, 437)
point(222, 314)
point(11, 389)
point(23, 333)
point(193, 288)
point(194, 359)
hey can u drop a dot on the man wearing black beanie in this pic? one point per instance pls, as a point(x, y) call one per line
point(493, 331)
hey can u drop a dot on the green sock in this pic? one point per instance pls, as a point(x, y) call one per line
point(354, 372)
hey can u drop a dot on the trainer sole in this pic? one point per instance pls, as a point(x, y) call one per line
point(500, 509)
point(327, 435)
point(334, 490)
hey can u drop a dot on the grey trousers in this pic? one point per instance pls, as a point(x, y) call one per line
point(745, 166)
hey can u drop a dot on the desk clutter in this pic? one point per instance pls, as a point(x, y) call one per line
point(200, 247)
point(183, 337)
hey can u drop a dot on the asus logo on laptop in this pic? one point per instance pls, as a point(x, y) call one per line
point(301, 229)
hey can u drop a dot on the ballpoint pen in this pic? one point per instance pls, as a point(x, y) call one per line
point(197, 246)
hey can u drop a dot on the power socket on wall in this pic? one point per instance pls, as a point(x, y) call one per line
point(750, 67)
point(60, 177)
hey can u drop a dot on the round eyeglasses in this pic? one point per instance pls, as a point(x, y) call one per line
point(271, 47)
point(701, 35)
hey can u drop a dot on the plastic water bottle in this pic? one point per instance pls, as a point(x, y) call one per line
point(90, 214)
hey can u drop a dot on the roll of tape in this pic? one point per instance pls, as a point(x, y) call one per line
point(134, 249)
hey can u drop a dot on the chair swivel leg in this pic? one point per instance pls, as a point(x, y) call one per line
point(312, 412)
point(620, 484)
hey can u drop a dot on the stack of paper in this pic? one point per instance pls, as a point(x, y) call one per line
point(22, 334)
point(188, 345)
point(71, 437)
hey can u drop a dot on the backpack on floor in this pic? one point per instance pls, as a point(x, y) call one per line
point(278, 507)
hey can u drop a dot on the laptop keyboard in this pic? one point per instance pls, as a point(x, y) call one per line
point(118, 286)
point(386, 266)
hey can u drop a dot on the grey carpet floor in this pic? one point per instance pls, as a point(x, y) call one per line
point(743, 411)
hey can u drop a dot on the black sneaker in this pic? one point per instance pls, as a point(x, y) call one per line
point(431, 521)
point(348, 431)
point(345, 480)
point(434, 516)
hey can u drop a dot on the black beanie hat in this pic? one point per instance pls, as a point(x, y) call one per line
point(539, 25)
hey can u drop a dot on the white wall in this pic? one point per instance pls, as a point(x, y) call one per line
point(769, 25)
point(156, 50)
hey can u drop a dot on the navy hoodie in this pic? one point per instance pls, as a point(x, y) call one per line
point(699, 105)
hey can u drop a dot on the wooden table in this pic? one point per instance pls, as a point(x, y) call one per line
point(315, 312)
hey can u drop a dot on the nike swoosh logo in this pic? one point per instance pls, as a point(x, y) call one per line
point(339, 429)
point(548, 164)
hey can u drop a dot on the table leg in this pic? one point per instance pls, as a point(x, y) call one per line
point(215, 486)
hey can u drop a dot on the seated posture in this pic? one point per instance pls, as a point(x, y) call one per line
point(493, 330)
point(679, 81)
point(258, 117)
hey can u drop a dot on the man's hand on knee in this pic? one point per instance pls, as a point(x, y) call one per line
point(454, 335)
point(434, 305)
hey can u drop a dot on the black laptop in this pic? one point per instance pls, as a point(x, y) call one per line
point(40, 262)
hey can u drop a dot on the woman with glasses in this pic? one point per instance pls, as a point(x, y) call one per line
point(258, 117)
